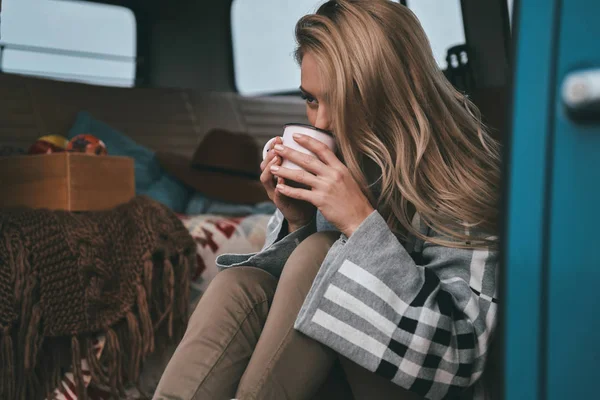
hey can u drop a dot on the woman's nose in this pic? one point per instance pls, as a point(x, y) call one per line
point(322, 121)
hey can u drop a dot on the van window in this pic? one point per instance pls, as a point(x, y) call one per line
point(69, 40)
point(263, 39)
point(442, 20)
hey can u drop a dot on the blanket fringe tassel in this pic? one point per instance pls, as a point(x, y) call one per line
point(77, 368)
point(32, 365)
point(7, 383)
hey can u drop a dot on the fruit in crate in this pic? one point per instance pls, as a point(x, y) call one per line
point(49, 144)
point(87, 144)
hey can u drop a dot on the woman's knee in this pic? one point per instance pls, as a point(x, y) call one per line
point(241, 287)
point(305, 261)
point(221, 336)
point(320, 241)
point(314, 249)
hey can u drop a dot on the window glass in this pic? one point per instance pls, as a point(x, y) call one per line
point(263, 44)
point(263, 39)
point(443, 22)
point(69, 40)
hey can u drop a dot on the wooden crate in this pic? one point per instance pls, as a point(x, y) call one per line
point(66, 181)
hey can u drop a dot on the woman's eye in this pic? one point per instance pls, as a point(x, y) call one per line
point(309, 100)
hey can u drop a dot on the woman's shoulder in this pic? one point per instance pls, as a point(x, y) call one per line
point(430, 236)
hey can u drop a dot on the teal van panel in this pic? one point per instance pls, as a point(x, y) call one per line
point(527, 180)
point(573, 351)
point(551, 244)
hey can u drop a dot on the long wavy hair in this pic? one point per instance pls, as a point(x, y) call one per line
point(409, 138)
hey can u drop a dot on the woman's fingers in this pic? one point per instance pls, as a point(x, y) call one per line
point(266, 177)
point(299, 176)
point(270, 153)
point(298, 193)
point(320, 149)
point(267, 160)
point(308, 162)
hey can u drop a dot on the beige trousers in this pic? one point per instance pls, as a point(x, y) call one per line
point(241, 342)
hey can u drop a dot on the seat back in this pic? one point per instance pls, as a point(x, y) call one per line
point(167, 119)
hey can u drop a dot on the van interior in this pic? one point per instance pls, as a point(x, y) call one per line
point(185, 71)
point(184, 80)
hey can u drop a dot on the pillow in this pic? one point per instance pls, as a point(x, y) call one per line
point(216, 235)
point(9, 150)
point(147, 169)
point(150, 178)
point(169, 191)
point(200, 204)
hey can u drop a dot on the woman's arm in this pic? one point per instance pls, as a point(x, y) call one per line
point(424, 325)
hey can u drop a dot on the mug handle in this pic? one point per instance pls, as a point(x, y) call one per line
point(267, 147)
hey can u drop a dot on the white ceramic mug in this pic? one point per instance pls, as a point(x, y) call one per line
point(288, 141)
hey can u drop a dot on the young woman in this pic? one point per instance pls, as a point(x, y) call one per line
point(383, 258)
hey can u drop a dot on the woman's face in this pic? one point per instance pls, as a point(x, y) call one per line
point(316, 109)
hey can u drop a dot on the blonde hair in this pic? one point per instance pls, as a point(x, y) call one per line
point(412, 141)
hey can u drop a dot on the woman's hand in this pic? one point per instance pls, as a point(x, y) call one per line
point(332, 189)
point(297, 212)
